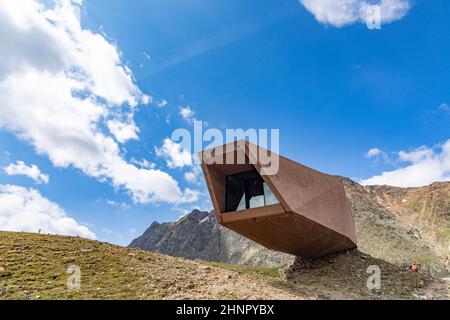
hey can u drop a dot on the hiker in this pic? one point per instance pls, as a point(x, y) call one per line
point(414, 267)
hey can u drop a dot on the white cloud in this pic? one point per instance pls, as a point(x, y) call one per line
point(144, 163)
point(60, 84)
point(376, 153)
point(417, 155)
point(187, 114)
point(191, 196)
point(32, 172)
point(27, 210)
point(340, 13)
point(146, 99)
point(176, 156)
point(190, 176)
point(123, 131)
point(194, 175)
point(372, 153)
point(444, 107)
point(147, 56)
point(423, 166)
point(162, 103)
point(121, 205)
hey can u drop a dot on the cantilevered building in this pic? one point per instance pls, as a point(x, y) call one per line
point(296, 210)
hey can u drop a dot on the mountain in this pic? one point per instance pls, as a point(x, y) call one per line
point(199, 236)
point(399, 225)
point(40, 267)
point(403, 225)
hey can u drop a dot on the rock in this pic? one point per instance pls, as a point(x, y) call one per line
point(420, 295)
point(415, 233)
point(86, 250)
point(224, 276)
point(4, 272)
point(204, 268)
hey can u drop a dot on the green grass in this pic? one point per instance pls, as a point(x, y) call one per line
point(270, 272)
point(36, 268)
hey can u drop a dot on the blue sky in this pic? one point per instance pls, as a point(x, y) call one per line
point(372, 105)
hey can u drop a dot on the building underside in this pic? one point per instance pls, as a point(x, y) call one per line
point(296, 210)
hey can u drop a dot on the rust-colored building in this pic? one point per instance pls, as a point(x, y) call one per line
point(296, 210)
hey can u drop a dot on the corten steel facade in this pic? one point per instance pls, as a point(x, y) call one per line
point(298, 210)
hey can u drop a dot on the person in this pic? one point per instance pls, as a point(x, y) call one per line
point(414, 267)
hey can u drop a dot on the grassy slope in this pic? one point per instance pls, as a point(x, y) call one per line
point(35, 268)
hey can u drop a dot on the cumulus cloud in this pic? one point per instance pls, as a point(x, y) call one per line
point(187, 114)
point(176, 156)
point(61, 85)
point(193, 175)
point(340, 13)
point(162, 103)
point(144, 163)
point(26, 210)
point(377, 154)
point(123, 131)
point(423, 166)
point(32, 172)
point(372, 153)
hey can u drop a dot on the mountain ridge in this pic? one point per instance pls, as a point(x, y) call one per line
point(198, 236)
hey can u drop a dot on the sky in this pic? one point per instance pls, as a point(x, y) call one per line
point(91, 92)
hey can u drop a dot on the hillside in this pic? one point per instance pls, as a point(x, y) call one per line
point(426, 209)
point(34, 267)
point(394, 224)
point(401, 225)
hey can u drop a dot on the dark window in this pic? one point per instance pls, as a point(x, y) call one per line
point(248, 190)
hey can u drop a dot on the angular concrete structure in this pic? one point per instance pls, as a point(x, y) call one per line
point(297, 210)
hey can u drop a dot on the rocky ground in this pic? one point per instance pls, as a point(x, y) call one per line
point(35, 267)
point(345, 276)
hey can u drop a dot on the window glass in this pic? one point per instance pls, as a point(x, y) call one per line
point(242, 205)
point(256, 202)
point(270, 197)
point(248, 190)
point(254, 191)
point(235, 199)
